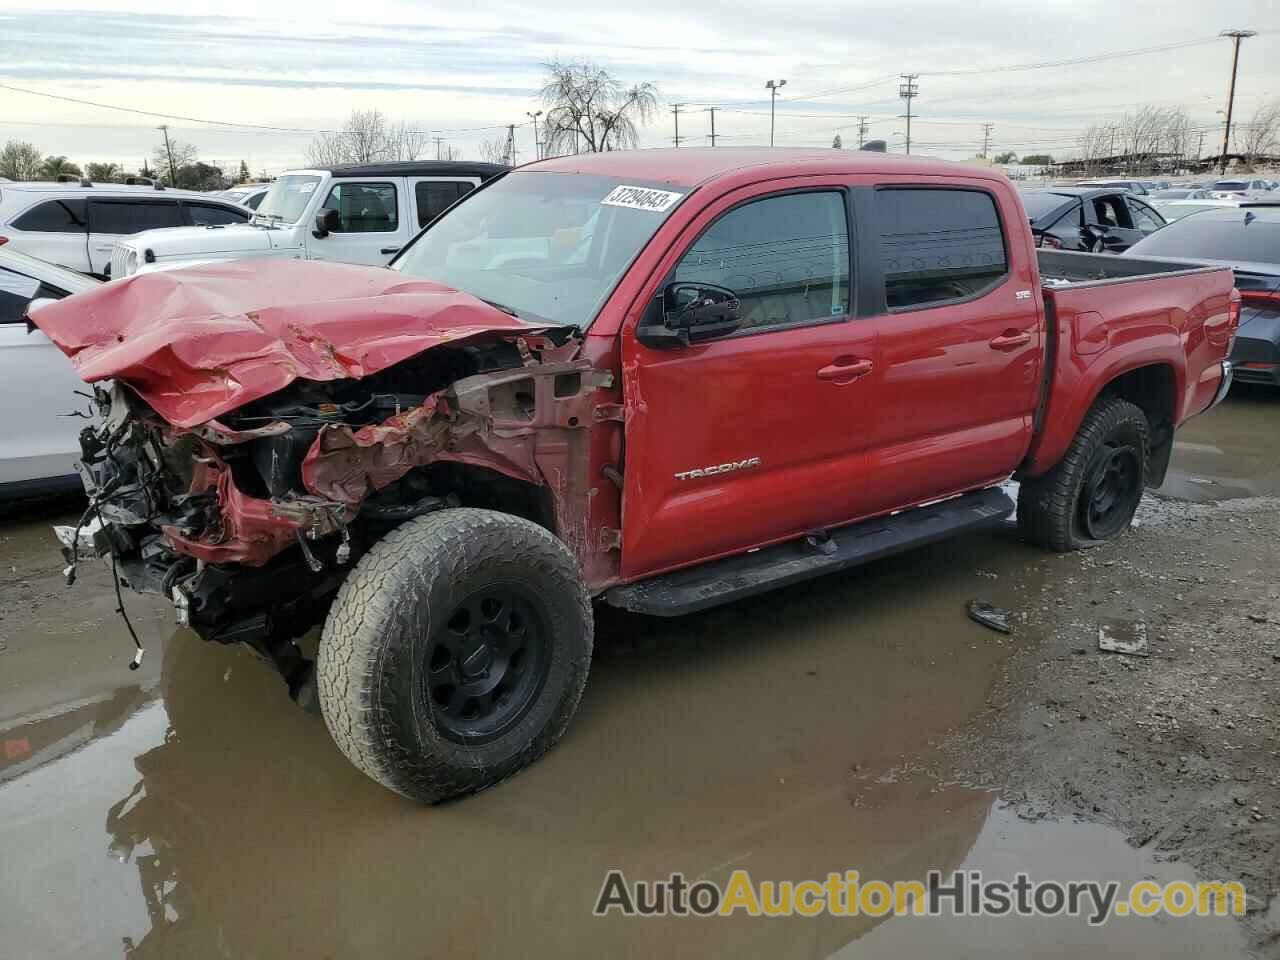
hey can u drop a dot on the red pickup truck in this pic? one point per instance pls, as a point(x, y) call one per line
point(657, 379)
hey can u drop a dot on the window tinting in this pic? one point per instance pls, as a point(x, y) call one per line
point(54, 216)
point(1242, 237)
point(364, 207)
point(132, 216)
point(786, 257)
point(434, 197)
point(206, 214)
point(1144, 218)
point(938, 244)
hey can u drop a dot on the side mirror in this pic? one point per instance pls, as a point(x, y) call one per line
point(327, 222)
point(689, 313)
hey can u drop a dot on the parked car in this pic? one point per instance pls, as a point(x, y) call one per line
point(246, 194)
point(660, 379)
point(1133, 186)
point(353, 213)
point(39, 441)
point(75, 225)
point(1088, 218)
point(1177, 209)
point(1177, 193)
point(1226, 189)
point(1247, 238)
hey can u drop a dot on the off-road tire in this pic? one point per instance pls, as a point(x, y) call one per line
point(372, 660)
point(1049, 506)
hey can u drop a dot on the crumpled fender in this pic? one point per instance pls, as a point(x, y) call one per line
point(198, 342)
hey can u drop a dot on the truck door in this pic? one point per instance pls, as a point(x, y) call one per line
point(368, 228)
point(433, 195)
point(960, 342)
point(756, 436)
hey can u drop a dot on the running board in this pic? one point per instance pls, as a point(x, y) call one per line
point(732, 578)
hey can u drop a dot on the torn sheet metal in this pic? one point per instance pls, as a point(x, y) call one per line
point(198, 342)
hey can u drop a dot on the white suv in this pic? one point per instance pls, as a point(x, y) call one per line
point(75, 225)
point(352, 213)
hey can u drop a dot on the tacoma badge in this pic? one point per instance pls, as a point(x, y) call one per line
point(729, 467)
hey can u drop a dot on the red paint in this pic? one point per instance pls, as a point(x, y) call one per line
point(198, 342)
point(850, 418)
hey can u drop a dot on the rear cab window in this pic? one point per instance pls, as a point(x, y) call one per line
point(938, 244)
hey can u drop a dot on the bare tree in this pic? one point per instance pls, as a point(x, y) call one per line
point(168, 162)
point(589, 110)
point(1096, 143)
point(19, 160)
point(1260, 136)
point(407, 143)
point(448, 151)
point(494, 151)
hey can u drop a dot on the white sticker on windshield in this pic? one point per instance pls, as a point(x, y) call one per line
point(308, 187)
point(641, 198)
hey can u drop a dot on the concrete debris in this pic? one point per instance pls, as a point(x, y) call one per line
point(1128, 637)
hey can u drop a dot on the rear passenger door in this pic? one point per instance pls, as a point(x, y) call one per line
point(1112, 213)
point(56, 231)
point(110, 219)
point(959, 339)
point(370, 228)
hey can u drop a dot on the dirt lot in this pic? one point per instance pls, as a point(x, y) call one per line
point(860, 722)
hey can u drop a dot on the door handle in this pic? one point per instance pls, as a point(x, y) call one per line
point(845, 370)
point(1010, 340)
point(390, 250)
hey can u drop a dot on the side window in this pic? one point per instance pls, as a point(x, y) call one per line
point(1111, 212)
point(938, 244)
point(206, 214)
point(254, 200)
point(132, 216)
point(1144, 218)
point(433, 197)
point(786, 257)
point(54, 216)
point(364, 207)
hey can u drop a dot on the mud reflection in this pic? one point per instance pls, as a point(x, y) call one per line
point(720, 741)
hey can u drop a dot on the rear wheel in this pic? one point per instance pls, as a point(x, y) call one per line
point(1091, 495)
point(456, 652)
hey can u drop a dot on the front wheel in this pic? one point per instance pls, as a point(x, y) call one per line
point(1091, 495)
point(455, 653)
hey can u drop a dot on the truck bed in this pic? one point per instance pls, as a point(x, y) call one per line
point(1061, 268)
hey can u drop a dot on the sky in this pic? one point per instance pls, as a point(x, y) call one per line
point(463, 72)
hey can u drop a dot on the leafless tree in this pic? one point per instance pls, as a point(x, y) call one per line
point(1259, 136)
point(494, 151)
point(448, 151)
point(169, 161)
point(589, 110)
point(1096, 143)
point(405, 142)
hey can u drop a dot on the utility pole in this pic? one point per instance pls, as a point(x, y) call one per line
point(438, 140)
point(712, 111)
point(675, 112)
point(1200, 148)
point(173, 174)
point(986, 138)
point(537, 147)
point(773, 86)
point(1236, 36)
point(862, 130)
point(510, 151)
point(908, 90)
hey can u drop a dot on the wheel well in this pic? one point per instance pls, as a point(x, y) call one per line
point(1153, 390)
point(481, 487)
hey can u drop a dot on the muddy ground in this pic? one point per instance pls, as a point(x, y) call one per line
point(858, 722)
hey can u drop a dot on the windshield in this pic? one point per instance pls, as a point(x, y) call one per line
point(1231, 185)
point(287, 198)
point(547, 246)
point(1245, 237)
point(1173, 194)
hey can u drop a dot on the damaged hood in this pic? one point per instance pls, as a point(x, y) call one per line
point(200, 341)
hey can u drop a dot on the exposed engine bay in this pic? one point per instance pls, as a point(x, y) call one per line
point(249, 521)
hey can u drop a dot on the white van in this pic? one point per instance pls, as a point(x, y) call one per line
point(76, 224)
point(351, 213)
